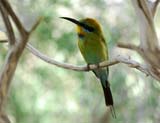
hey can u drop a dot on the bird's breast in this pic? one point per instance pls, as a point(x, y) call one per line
point(92, 51)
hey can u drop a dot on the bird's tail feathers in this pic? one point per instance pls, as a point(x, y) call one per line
point(113, 111)
point(107, 95)
point(109, 98)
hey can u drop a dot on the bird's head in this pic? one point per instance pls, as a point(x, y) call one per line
point(86, 28)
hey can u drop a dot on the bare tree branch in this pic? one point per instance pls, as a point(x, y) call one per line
point(148, 36)
point(13, 55)
point(68, 66)
point(149, 45)
point(4, 118)
point(128, 46)
point(14, 17)
point(144, 8)
point(8, 25)
point(118, 59)
point(10, 65)
point(39, 20)
point(3, 41)
point(3, 37)
point(153, 6)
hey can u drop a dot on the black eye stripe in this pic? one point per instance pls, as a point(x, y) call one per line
point(89, 28)
point(85, 26)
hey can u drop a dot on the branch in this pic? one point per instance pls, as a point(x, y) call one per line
point(128, 46)
point(134, 64)
point(131, 47)
point(3, 37)
point(148, 36)
point(153, 6)
point(148, 70)
point(3, 41)
point(4, 118)
point(143, 68)
point(14, 52)
point(119, 59)
point(14, 17)
point(68, 66)
point(8, 25)
point(35, 25)
point(149, 44)
point(142, 4)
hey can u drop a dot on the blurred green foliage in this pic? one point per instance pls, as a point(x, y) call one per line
point(43, 93)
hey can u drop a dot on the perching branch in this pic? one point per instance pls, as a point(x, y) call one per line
point(68, 66)
point(117, 60)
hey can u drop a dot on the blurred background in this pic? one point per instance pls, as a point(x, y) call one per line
point(43, 93)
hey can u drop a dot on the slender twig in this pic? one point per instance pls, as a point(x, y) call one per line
point(14, 17)
point(3, 41)
point(131, 47)
point(154, 6)
point(128, 46)
point(8, 25)
point(144, 8)
point(133, 64)
point(35, 25)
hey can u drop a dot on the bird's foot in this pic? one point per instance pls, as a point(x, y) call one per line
point(88, 67)
point(97, 65)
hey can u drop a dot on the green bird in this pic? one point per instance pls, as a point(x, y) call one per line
point(94, 50)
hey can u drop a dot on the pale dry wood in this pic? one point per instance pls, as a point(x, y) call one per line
point(3, 37)
point(153, 6)
point(149, 47)
point(118, 59)
point(68, 66)
point(128, 46)
point(15, 50)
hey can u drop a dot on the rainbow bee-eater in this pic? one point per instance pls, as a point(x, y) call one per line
point(94, 50)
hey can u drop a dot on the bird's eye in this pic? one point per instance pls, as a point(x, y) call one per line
point(88, 29)
point(80, 35)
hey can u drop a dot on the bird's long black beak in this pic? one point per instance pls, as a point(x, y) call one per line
point(79, 23)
